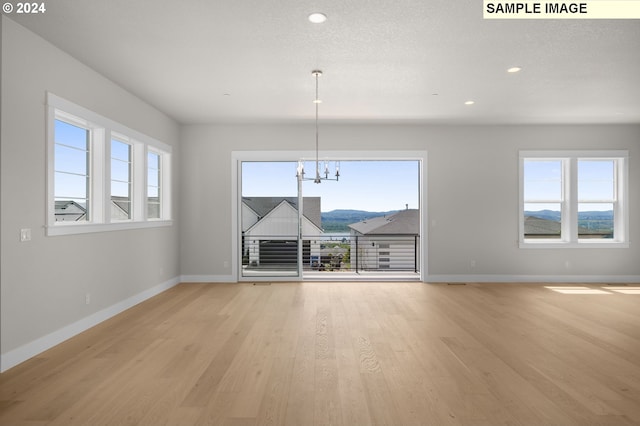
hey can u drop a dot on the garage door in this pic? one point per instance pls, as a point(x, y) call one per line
point(278, 252)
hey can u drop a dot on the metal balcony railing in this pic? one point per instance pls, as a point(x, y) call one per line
point(332, 252)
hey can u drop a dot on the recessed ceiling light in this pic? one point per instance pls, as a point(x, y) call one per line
point(317, 18)
point(469, 103)
point(514, 69)
point(317, 101)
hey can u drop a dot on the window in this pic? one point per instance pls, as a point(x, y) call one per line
point(71, 171)
point(120, 180)
point(597, 201)
point(153, 185)
point(543, 198)
point(101, 175)
point(573, 199)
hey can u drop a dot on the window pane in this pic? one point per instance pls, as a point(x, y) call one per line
point(543, 220)
point(153, 210)
point(595, 220)
point(120, 208)
point(596, 180)
point(120, 171)
point(543, 180)
point(153, 177)
point(120, 150)
point(71, 177)
point(153, 161)
point(153, 186)
point(70, 210)
point(70, 160)
point(70, 186)
point(120, 180)
point(71, 135)
point(120, 189)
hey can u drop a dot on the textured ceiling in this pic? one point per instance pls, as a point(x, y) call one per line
point(204, 61)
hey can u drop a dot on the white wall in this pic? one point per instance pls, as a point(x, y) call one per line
point(44, 281)
point(469, 169)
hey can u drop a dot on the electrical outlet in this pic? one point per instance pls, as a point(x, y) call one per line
point(87, 298)
point(473, 263)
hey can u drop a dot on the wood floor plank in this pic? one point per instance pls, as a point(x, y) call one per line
point(344, 353)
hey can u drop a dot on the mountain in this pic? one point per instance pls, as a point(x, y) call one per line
point(338, 220)
point(555, 215)
point(592, 220)
point(544, 214)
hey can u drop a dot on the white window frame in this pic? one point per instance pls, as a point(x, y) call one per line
point(569, 234)
point(103, 130)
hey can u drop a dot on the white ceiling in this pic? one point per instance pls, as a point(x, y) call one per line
point(205, 61)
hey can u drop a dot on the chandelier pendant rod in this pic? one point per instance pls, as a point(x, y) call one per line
point(317, 101)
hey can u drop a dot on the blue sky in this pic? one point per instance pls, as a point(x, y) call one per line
point(71, 161)
point(543, 182)
point(71, 164)
point(363, 185)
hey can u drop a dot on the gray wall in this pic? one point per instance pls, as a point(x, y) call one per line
point(44, 281)
point(469, 169)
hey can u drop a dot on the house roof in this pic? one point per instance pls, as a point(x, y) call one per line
point(68, 206)
point(263, 205)
point(403, 222)
point(122, 203)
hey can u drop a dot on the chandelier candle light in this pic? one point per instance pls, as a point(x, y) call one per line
point(300, 171)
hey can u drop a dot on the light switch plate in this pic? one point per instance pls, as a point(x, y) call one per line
point(25, 234)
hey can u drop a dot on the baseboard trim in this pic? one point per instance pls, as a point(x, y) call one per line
point(534, 278)
point(31, 349)
point(481, 278)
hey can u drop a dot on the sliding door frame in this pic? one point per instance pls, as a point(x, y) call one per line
point(237, 157)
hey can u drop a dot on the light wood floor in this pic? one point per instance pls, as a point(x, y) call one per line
point(344, 354)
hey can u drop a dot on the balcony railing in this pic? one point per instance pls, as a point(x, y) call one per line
point(332, 252)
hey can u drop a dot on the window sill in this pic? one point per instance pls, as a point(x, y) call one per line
point(87, 228)
point(573, 245)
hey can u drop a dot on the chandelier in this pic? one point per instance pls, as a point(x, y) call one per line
point(319, 177)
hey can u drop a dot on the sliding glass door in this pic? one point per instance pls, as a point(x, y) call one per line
point(270, 243)
point(368, 224)
point(371, 222)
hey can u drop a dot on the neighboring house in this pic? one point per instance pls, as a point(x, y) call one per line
point(69, 211)
point(270, 230)
point(387, 242)
point(120, 207)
